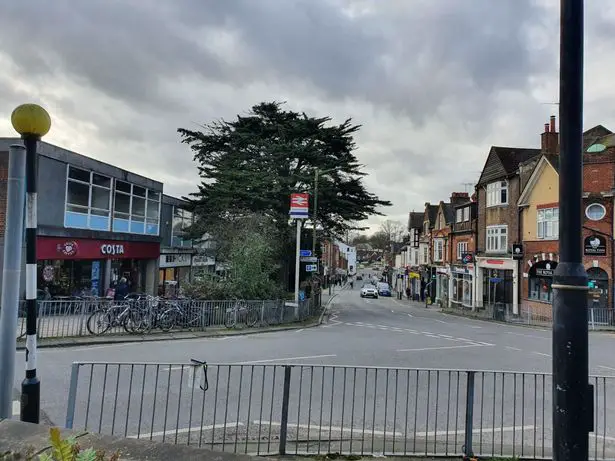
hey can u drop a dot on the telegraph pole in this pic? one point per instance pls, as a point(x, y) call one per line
point(572, 395)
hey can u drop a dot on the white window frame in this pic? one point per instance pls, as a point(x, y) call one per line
point(494, 193)
point(547, 223)
point(496, 239)
point(131, 195)
point(602, 207)
point(466, 214)
point(459, 215)
point(90, 185)
point(462, 247)
point(438, 250)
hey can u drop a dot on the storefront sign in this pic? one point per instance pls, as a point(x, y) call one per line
point(48, 273)
point(467, 258)
point(544, 272)
point(594, 245)
point(517, 251)
point(175, 260)
point(62, 248)
point(203, 261)
point(112, 249)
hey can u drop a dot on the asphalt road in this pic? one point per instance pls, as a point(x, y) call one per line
point(385, 405)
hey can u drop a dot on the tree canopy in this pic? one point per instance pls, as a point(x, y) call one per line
point(254, 163)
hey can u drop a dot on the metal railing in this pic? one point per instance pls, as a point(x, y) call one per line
point(597, 318)
point(301, 409)
point(75, 318)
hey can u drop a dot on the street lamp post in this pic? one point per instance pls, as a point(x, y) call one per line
point(572, 395)
point(31, 122)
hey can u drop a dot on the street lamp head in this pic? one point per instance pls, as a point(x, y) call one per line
point(31, 120)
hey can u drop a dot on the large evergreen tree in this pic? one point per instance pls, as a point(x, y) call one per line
point(253, 164)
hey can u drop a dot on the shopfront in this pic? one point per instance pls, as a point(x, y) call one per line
point(174, 272)
point(462, 286)
point(540, 280)
point(442, 279)
point(496, 282)
point(598, 281)
point(88, 267)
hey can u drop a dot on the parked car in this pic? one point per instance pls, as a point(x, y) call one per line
point(384, 289)
point(369, 291)
point(359, 277)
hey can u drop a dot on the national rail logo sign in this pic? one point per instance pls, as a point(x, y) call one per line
point(299, 206)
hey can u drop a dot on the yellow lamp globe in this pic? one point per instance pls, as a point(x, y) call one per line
point(31, 119)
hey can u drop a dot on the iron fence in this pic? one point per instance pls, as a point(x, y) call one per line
point(86, 317)
point(597, 318)
point(301, 409)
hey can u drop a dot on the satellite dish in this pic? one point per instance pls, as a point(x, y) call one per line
point(595, 148)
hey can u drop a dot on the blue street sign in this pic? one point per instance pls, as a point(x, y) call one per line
point(305, 253)
point(311, 268)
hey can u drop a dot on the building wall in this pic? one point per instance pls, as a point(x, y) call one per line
point(545, 191)
point(166, 223)
point(51, 192)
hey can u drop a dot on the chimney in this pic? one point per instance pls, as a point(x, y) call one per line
point(549, 140)
point(457, 198)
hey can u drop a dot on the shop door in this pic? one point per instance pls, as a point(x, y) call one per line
point(598, 288)
point(497, 287)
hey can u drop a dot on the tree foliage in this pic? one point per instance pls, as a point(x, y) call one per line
point(253, 164)
point(248, 246)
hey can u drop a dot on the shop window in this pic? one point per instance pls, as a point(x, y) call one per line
point(548, 223)
point(136, 209)
point(540, 279)
point(497, 193)
point(182, 220)
point(88, 197)
point(497, 239)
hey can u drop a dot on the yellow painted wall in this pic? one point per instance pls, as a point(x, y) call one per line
point(546, 190)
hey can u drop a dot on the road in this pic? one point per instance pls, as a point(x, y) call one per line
point(365, 409)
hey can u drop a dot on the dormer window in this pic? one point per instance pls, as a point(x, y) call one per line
point(497, 193)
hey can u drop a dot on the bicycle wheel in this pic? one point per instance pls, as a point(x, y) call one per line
point(99, 322)
point(252, 316)
point(137, 321)
point(230, 321)
point(167, 320)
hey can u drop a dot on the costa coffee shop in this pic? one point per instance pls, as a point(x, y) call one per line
point(87, 267)
point(96, 224)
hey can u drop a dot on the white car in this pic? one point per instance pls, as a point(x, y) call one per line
point(369, 291)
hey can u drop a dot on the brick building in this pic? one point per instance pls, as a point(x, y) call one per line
point(497, 191)
point(463, 247)
point(539, 216)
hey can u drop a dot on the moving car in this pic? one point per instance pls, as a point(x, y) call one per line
point(384, 289)
point(369, 291)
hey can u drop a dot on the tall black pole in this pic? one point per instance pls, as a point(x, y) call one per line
point(30, 386)
point(572, 398)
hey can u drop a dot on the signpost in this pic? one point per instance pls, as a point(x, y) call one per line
point(299, 205)
point(311, 268)
point(305, 253)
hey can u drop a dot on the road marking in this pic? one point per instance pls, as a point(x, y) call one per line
point(16, 407)
point(527, 336)
point(185, 430)
point(541, 353)
point(476, 327)
point(299, 330)
point(510, 348)
point(606, 368)
point(445, 336)
point(281, 359)
point(421, 349)
point(410, 315)
point(441, 321)
point(603, 437)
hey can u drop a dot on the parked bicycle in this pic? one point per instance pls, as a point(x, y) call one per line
point(133, 317)
point(241, 313)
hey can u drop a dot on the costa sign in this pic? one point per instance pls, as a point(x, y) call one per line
point(112, 249)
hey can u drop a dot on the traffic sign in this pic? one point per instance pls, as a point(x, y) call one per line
point(311, 268)
point(299, 205)
point(309, 259)
point(305, 253)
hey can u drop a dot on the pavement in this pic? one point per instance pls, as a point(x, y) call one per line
point(333, 406)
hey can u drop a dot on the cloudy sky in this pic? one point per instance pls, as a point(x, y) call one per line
point(433, 82)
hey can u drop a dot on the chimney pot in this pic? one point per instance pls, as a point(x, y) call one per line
point(546, 127)
point(553, 124)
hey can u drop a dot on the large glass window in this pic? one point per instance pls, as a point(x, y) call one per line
point(497, 193)
point(548, 223)
point(182, 220)
point(136, 210)
point(438, 250)
point(540, 279)
point(497, 239)
point(88, 197)
point(462, 248)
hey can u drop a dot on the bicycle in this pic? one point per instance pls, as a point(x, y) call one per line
point(241, 313)
point(132, 319)
point(182, 314)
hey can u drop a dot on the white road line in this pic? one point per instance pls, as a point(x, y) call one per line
point(445, 336)
point(527, 336)
point(510, 348)
point(421, 349)
point(485, 430)
point(606, 368)
point(185, 430)
point(282, 359)
point(541, 353)
point(16, 407)
point(410, 315)
point(299, 330)
point(441, 321)
point(316, 427)
point(475, 327)
point(426, 333)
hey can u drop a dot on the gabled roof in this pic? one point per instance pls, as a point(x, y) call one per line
point(594, 134)
point(504, 161)
point(415, 220)
point(544, 162)
point(449, 212)
point(432, 214)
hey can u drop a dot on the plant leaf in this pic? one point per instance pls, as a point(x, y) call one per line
point(62, 449)
point(87, 455)
point(45, 457)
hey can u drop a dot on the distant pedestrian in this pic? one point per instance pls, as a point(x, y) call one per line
point(408, 293)
point(122, 289)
